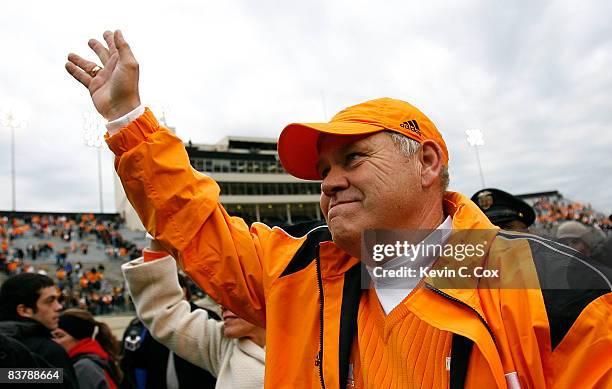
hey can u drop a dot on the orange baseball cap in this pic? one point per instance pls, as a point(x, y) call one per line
point(297, 145)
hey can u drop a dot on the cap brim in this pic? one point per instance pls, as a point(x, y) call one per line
point(297, 144)
point(524, 214)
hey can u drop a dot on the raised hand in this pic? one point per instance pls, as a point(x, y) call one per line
point(113, 88)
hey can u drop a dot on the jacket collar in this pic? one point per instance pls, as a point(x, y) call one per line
point(470, 225)
point(23, 327)
point(465, 214)
point(251, 349)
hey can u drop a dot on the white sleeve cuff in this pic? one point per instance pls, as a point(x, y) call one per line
point(115, 125)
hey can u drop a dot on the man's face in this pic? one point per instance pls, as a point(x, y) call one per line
point(513, 225)
point(47, 308)
point(367, 184)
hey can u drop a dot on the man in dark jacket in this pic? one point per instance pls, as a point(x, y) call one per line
point(29, 311)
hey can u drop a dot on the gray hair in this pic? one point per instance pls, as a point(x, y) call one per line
point(409, 147)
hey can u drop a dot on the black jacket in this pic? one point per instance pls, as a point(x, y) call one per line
point(37, 338)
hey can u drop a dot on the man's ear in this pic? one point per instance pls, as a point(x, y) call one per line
point(431, 163)
point(24, 311)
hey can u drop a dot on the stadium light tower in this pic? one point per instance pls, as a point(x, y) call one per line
point(12, 121)
point(93, 136)
point(476, 139)
point(162, 118)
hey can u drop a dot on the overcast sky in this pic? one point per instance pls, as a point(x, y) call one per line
point(534, 77)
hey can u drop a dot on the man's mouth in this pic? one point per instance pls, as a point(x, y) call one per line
point(335, 203)
point(331, 213)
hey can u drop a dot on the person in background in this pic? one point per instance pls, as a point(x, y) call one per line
point(232, 350)
point(575, 235)
point(92, 348)
point(29, 311)
point(506, 211)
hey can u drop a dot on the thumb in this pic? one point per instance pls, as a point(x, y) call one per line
point(122, 46)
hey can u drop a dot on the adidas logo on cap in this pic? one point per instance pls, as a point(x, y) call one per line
point(411, 125)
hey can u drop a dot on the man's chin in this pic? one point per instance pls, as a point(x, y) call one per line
point(54, 324)
point(337, 218)
point(347, 239)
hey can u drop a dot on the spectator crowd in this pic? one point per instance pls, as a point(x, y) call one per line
point(58, 246)
point(549, 213)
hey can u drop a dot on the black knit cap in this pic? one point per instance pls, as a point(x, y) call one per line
point(77, 328)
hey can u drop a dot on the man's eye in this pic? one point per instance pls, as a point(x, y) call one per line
point(352, 157)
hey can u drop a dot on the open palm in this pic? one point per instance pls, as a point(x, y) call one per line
point(113, 89)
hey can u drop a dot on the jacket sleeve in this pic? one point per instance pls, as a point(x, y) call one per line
point(583, 358)
point(159, 303)
point(180, 207)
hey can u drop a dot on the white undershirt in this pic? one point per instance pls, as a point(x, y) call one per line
point(392, 290)
point(114, 126)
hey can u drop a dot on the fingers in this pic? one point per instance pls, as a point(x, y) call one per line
point(84, 64)
point(78, 74)
point(110, 41)
point(101, 51)
point(122, 46)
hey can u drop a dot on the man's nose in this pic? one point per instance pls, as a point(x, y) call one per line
point(334, 181)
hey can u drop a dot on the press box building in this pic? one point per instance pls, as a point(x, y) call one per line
point(254, 185)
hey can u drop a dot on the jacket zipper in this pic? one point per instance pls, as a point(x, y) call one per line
point(438, 291)
point(319, 358)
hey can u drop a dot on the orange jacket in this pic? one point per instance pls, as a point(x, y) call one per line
point(275, 278)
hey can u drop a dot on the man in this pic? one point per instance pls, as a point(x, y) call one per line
point(384, 166)
point(575, 235)
point(506, 211)
point(29, 311)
